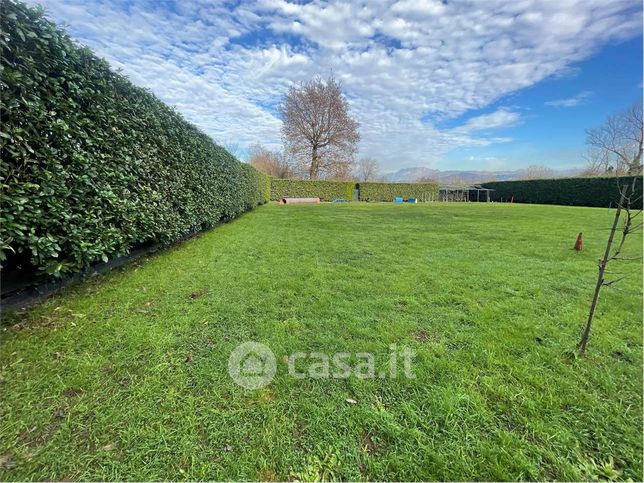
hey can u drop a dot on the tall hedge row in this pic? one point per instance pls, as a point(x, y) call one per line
point(92, 165)
point(389, 191)
point(601, 192)
point(304, 188)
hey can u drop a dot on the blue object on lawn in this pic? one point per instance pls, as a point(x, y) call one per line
point(398, 200)
point(411, 200)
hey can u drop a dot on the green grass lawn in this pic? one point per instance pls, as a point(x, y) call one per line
point(125, 377)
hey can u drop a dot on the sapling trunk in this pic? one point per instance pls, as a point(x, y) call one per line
point(600, 276)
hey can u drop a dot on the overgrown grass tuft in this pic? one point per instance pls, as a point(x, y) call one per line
point(125, 377)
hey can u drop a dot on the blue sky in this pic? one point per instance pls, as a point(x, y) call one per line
point(447, 84)
point(556, 112)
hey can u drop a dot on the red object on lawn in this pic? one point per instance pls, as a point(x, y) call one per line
point(579, 244)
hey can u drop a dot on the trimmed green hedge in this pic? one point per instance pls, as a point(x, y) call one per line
point(304, 188)
point(601, 192)
point(92, 165)
point(389, 191)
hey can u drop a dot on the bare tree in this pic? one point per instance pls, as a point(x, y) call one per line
point(342, 171)
point(367, 169)
point(269, 162)
point(591, 171)
point(624, 211)
point(616, 147)
point(317, 129)
point(233, 148)
point(537, 172)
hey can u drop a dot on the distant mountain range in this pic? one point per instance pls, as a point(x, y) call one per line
point(455, 176)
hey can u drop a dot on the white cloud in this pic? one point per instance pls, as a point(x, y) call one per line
point(401, 62)
point(571, 101)
point(501, 118)
point(421, 8)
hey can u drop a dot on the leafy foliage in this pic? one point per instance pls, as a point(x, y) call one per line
point(93, 165)
point(600, 192)
point(389, 191)
point(304, 188)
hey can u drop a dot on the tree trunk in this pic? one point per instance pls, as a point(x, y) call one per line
point(314, 168)
point(600, 277)
point(634, 168)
